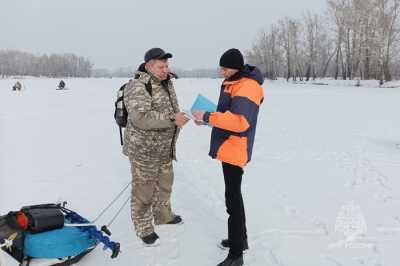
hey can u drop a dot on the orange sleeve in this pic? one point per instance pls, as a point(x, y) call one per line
point(246, 100)
point(229, 121)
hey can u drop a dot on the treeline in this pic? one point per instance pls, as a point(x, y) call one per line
point(197, 73)
point(353, 39)
point(126, 72)
point(13, 62)
point(122, 72)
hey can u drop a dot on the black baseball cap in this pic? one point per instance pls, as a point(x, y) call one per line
point(156, 53)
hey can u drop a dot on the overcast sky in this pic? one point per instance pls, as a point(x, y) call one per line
point(115, 33)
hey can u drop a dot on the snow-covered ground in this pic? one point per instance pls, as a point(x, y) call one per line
point(326, 165)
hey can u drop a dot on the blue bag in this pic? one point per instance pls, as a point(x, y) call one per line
point(59, 243)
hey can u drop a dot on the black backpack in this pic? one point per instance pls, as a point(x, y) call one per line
point(120, 113)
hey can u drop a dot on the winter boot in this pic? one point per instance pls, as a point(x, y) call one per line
point(176, 220)
point(151, 240)
point(232, 261)
point(224, 244)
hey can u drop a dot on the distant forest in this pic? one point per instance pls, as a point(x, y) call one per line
point(18, 63)
point(129, 72)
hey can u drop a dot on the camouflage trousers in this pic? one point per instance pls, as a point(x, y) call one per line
point(151, 193)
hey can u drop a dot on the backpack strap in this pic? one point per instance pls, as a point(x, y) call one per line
point(149, 88)
point(120, 98)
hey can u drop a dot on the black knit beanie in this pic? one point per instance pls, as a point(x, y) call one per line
point(232, 58)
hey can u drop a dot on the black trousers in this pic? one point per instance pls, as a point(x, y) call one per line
point(237, 232)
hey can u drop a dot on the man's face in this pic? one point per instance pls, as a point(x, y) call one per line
point(228, 72)
point(159, 68)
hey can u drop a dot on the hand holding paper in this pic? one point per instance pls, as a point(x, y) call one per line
point(181, 119)
point(198, 115)
point(199, 107)
point(189, 114)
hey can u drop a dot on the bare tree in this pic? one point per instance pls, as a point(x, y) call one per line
point(357, 39)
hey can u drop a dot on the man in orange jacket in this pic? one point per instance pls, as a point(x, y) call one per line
point(232, 138)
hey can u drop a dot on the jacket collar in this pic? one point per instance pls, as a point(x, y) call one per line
point(233, 79)
point(247, 71)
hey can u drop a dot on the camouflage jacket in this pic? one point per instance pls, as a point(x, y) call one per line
point(151, 133)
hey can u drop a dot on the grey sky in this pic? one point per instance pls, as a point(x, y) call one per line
point(116, 33)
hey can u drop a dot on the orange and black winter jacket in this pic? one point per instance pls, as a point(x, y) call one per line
point(234, 123)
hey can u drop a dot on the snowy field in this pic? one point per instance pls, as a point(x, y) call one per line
point(323, 188)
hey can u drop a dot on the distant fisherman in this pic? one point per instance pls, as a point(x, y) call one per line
point(61, 86)
point(17, 86)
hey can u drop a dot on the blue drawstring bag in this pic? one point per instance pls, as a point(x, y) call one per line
point(59, 243)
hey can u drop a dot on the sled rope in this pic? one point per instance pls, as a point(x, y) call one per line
point(111, 203)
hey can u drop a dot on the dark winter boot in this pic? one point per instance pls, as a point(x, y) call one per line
point(176, 220)
point(232, 261)
point(151, 240)
point(225, 244)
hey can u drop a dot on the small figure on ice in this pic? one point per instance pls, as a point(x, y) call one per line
point(61, 85)
point(17, 86)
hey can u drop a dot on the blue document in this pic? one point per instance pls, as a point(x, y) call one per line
point(203, 104)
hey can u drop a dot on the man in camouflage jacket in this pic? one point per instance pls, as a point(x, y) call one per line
point(154, 122)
